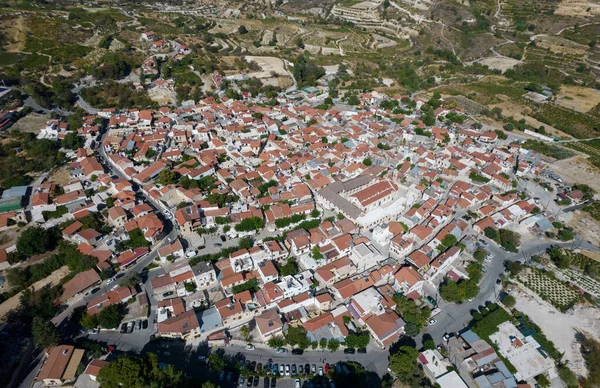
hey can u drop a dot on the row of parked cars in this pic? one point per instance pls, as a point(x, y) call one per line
point(129, 327)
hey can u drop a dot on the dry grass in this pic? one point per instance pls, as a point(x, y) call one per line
point(15, 30)
point(33, 122)
point(578, 98)
point(61, 176)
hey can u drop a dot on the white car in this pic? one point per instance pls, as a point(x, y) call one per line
point(109, 281)
point(297, 383)
point(432, 322)
point(287, 370)
point(250, 347)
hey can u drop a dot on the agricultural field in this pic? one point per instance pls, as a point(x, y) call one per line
point(549, 288)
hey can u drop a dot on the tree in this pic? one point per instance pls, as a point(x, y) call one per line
point(480, 254)
point(360, 340)
point(130, 281)
point(72, 141)
point(45, 334)
point(404, 360)
point(250, 224)
point(543, 381)
point(275, 342)
point(290, 268)
point(509, 301)
point(215, 362)
point(316, 253)
point(110, 317)
point(88, 322)
point(245, 243)
point(137, 372)
point(245, 332)
point(367, 162)
point(323, 343)
point(166, 177)
point(35, 241)
point(568, 377)
point(491, 233)
point(449, 240)
point(297, 336)
point(333, 345)
point(429, 344)
point(242, 29)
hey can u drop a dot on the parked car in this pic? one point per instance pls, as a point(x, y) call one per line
point(218, 245)
point(139, 324)
point(109, 281)
point(349, 351)
point(167, 294)
point(256, 381)
point(297, 351)
point(306, 369)
point(273, 383)
point(447, 336)
point(145, 324)
point(287, 370)
point(275, 369)
point(241, 381)
point(250, 378)
point(294, 371)
point(259, 367)
point(222, 375)
point(320, 371)
point(130, 327)
point(297, 383)
point(123, 328)
point(93, 331)
point(326, 368)
point(362, 351)
point(314, 369)
point(432, 322)
point(252, 366)
point(282, 350)
point(281, 370)
point(250, 347)
point(223, 238)
point(266, 383)
point(300, 369)
point(229, 376)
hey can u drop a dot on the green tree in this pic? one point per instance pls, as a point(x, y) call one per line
point(242, 29)
point(245, 243)
point(316, 253)
point(132, 280)
point(367, 162)
point(297, 336)
point(276, 342)
point(333, 345)
point(449, 240)
point(480, 254)
point(245, 332)
point(429, 344)
point(404, 360)
point(215, 362)
point(88, 322)
point(72, 141)
point(568, 377)
point(250, 224)
point(323, 343)
point(45, 334)
point(290, 268)
point(491, 233)
point(35, 241)
point(166, 177)
point(110, 317)
point(509, 301)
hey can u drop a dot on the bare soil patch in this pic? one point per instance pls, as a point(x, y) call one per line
point(61, 175)
point(573, 8)
point(561, 328)
point(33, 122)
point(15, 30)
point(518, 111)
point(560, 45)
point(586, 227)
point(578, 98)
point(577, 170)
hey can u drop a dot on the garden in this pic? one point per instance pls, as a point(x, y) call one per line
point(549, 288)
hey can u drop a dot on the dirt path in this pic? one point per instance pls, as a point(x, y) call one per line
point(53, 279)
